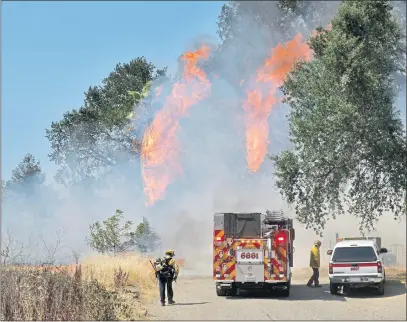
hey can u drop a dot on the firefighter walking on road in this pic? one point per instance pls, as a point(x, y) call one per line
point(166, 272)
point(315, 263)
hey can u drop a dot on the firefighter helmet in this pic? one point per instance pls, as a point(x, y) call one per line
point(169, 253)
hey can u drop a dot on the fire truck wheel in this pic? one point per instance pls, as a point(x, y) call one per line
point(220, 291)
point(285, 292)
point(232, 291)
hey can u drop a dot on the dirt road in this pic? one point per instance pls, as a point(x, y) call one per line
point(196, 300)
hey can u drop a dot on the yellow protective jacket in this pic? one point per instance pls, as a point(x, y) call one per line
point(172, 263)
point(315, 258)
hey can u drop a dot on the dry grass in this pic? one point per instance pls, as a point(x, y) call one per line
point(396, 274)
point(109, 271)
point(102, 288)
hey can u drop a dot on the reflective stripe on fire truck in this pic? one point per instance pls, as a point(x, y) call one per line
point(223, 263)
point(278, 264)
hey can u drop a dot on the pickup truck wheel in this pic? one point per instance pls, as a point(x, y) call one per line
point(333, 288)
point(380, 289)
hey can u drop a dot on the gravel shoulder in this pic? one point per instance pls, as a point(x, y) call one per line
point(196, 300)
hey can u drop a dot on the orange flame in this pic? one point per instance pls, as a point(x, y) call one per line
point(258, 105)
point(160, 147)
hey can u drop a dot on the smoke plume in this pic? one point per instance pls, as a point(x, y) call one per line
point(204, 150)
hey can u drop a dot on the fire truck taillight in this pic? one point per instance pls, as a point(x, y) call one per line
point(218, 238)
point(281, 237)
point(379, 267)
point(331, 270)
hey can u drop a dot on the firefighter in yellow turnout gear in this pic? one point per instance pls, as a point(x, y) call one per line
point(166, 272)
point(315, 263)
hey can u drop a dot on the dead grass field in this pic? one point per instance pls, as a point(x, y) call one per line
point(101, 288)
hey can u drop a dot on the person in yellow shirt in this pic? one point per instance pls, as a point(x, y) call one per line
point(166, 271)
point(315, 263)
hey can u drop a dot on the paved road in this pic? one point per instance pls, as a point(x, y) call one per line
point(196, 300)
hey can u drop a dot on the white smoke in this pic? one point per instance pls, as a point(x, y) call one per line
point(215, 176)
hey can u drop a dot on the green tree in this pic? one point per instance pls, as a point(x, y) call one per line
point(349, 141)
point(93, 139)
point(26, 177)
point(111, 236)
point(145, 237)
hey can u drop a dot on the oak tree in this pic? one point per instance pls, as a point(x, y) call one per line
point(93, 139)
point(349, 142)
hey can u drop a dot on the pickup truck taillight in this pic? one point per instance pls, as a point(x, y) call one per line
point(331, 270)
point(379, 267)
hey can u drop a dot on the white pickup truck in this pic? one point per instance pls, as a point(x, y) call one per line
point(356, 264)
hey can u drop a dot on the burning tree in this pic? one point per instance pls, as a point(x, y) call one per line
point(95, 138)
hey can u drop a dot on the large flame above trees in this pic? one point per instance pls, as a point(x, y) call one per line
point(262, 96)
point(160, 148)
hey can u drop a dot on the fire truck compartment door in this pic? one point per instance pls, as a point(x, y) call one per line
point(249, 265)
point(249, 273)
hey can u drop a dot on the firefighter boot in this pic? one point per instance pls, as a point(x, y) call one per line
point(171, 302)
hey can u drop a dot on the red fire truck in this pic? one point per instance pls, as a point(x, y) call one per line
point(252, 251)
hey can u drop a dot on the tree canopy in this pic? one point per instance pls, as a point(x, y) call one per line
point(349, 141)
point(112, 236)
point(25, 177)
point(145, 238)
point(95, 138)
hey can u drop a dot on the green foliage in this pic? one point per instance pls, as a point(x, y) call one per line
point(349, 142)
point(289, 5)
point(111, 236)
point(138, 96)
point(25, 177)
point(28, 171)
point(145, 237)
point(93, 139)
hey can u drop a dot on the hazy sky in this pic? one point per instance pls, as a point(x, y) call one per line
point(53, 51)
